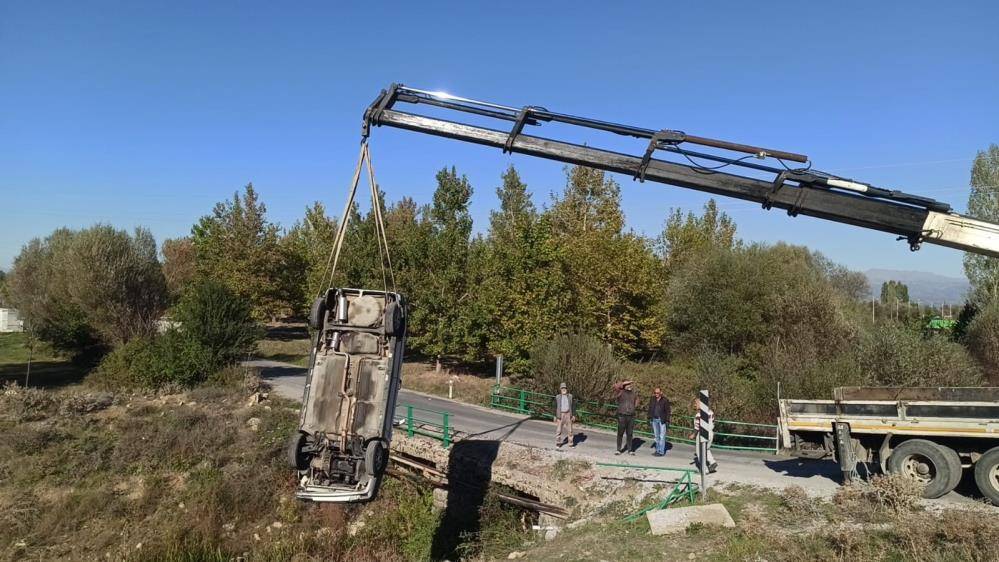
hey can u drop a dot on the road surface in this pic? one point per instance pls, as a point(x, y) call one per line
point(819, 477)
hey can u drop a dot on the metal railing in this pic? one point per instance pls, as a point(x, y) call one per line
point(428, 423)
point(756, 436)
point(685, 487)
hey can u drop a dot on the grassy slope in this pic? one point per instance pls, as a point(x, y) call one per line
point(84, 475)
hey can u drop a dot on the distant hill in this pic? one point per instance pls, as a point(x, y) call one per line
point(924, 287)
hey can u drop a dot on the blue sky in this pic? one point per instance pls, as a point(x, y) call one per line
point(147, 113)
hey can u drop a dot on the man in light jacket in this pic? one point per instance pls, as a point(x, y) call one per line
point(565, 414)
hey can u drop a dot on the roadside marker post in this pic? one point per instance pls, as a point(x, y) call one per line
point(703, 438)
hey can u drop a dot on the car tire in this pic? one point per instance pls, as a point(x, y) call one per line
point(395, 319)
point(317, 315)
point(293, 451)
point(375, 458)
point(926, 462)
point(987, 475)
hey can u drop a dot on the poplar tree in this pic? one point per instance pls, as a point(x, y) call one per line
point(983, 203)
point(613, 276)
point(523, 292)
point(437, 312)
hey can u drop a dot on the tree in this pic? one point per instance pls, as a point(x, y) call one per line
point(179, 264)
point(613, 277)
point(219, 320)
point(684, 237)
point(522, 293)
point(308, 244)
point(436, 313)
point(239, 247)
point(894, 291)
point(4, 298)
point(95, 286)
point(983, 203)
point(982, 337)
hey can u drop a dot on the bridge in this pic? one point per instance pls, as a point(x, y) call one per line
point(518, 451)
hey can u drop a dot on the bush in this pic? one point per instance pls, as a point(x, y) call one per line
point(891, 355)
point(219, 321)
point(584, 363)
point(982, 337)
point(171, 357)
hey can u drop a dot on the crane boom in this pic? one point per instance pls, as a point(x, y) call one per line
point(800, 190)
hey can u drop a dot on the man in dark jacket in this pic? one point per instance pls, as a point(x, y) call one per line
point(659, 413)
point(627, 402)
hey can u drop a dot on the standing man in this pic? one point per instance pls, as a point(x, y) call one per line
point(565, 414)
point(627, 402)
point(659, 413)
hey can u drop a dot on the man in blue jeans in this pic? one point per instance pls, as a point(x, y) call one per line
point(659, 412)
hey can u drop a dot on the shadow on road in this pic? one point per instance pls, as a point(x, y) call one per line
point(805, 468)
point(268, 373)
point(511, 427)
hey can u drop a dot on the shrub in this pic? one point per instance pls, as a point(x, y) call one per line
point(795, 500)
point(892, 355)
point(584, 363)
point(982, 337)
point(219, 321)
point(171, 357)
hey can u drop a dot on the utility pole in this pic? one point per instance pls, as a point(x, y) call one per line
point(872, 310)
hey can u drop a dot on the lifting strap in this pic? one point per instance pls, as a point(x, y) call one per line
point(385, 260)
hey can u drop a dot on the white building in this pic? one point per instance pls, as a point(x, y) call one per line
point(9, 321)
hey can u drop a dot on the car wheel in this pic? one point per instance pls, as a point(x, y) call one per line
point(317, 315)
point(375, 458)
point(987, 475)
point(927, 463)
point(293, 451)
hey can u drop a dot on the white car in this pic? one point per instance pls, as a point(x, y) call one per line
point(341, 448)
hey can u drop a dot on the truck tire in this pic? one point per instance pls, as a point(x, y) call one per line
point(987, 475)
point(925, 461)
point(956, 470)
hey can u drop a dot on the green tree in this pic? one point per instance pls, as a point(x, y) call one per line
point(437, 311)
point(613, 277)
point(219, 320)
point(179, 264)
point(983, 203)
point(4, 298)
point(522, 293)
point(239, 247)
point(686, 236)
point(892, 291)
point(100, 285)
point(308, 243)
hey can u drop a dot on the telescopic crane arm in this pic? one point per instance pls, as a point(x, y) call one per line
point(797, 190)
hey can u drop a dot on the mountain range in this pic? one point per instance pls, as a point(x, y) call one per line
point(923, 286)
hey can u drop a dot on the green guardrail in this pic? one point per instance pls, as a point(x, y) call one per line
point(428, 423)
point(685, 487)
point(755, 436)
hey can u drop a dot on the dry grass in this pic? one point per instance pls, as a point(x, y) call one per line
point(468, 388)
point(157, 477)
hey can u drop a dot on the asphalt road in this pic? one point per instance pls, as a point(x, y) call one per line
point(820, 477)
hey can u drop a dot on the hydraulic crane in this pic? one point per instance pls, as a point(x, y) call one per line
point(797, 190)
